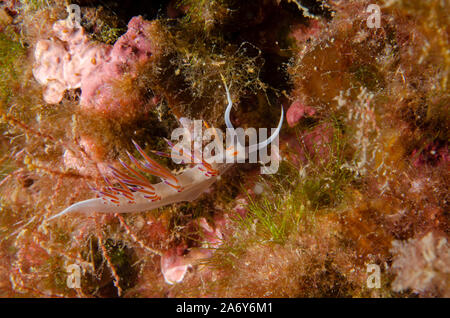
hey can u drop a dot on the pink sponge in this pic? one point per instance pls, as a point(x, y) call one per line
point(71, 60)
point(65, 61)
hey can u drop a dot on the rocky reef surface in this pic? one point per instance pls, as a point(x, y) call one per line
point(358, 207)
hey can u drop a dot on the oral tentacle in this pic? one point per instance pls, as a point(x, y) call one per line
point(260, 145)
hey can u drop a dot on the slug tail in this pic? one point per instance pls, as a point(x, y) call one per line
point(86, 206)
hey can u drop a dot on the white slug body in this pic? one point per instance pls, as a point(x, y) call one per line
point(132, 192)
point(191, 181)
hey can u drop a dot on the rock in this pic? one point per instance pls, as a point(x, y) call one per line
point(297, 111)
point(71, 60)
point(173, 266)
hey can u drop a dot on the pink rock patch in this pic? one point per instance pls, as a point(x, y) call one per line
point(240, 209)
point(212, 236)
point(313, 144)
point(91, 153)
point(174, 266)
point(301, 33)
point(297, 111)
point(63, 62)
point(176, 262)
point(71, 60)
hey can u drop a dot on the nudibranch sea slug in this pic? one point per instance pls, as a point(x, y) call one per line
point(130, 191)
